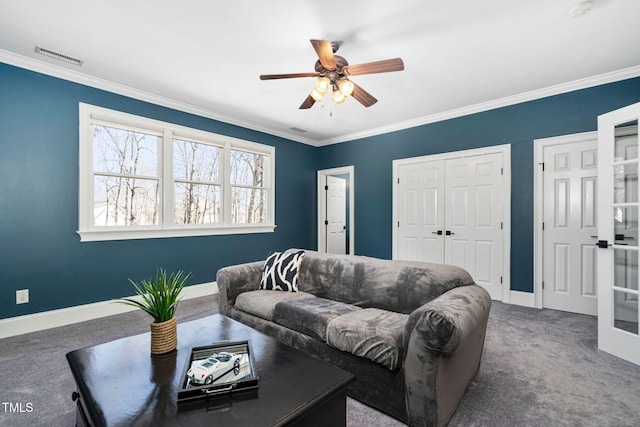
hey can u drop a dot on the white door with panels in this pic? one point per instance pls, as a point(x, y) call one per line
point(618, 246)
point(473, 218)
point(450, 211)
point(336, 215)
point(421, 190)
point(570, 179)
point(336, 210)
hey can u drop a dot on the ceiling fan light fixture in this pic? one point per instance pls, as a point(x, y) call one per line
point(317, 95)
point(338, 96)
point(332, 72)
point(346, 86)
point(323, 84)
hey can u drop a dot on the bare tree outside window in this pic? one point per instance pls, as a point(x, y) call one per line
point(142, 178)
point(248, 188)
point(125, 173)
point(197, 189)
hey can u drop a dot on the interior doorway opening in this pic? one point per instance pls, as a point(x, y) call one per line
point(336, 210)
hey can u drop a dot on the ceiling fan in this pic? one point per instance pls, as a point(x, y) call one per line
point(333, 73)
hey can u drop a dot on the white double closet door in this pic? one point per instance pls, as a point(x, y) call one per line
point(450, 211)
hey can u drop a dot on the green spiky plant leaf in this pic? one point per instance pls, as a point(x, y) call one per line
point(159, 296)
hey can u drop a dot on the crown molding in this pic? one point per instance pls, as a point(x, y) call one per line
point(626, 73)
point(120, 89)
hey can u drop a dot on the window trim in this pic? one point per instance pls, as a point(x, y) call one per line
point(90, 114)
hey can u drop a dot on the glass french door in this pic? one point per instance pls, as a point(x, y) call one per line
point(619, 249)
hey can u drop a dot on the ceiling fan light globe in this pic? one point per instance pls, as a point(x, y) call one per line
point(346, 87)
point(338, 97)
point(317, 95)
point(323, 84)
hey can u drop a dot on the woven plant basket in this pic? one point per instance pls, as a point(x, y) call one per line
point(164, 336)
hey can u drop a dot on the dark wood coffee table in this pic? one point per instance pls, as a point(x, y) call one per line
point(120, 384)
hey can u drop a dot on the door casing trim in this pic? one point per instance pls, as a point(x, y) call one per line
point(322, 206)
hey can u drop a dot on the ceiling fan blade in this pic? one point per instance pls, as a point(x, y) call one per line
point(362, 96)
point(325, 53)
point(383, 66)
point(287, 76)
point(308, 103)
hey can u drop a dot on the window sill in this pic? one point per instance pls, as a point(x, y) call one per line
point(156, 233)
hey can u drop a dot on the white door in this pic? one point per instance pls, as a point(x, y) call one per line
point(618, 314)
point(450, 211)
point(421, 212)
point(473, 218)
point(336, 215)
point(570, 180)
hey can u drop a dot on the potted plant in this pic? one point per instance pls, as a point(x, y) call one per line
point(159, 298)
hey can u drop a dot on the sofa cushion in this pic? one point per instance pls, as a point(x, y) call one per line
point(310, 316)
point(371, 333)
point(400, 286)
point(280, 271)
point(262, 303)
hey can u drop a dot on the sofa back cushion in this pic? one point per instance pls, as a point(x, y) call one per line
point(400, 286)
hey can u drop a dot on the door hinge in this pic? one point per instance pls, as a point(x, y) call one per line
point(501, 171)
point(326, 222)
point(543, 226)
point(326, 188)
point(543, 284)
point(501, 280)
point(501, 225)
point(398, 224)
point(398, 180)
point(542, 166)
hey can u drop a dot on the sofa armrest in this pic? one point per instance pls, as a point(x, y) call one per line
point(445, 321)
point(236, 279)
point(443, 343)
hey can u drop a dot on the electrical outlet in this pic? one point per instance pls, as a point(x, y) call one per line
point(22, 296)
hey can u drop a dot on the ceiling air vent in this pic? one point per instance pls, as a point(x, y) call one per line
point(59, 56)
point(295, 129)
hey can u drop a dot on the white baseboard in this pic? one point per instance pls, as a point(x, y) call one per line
point(526, 299)
point(66, 316)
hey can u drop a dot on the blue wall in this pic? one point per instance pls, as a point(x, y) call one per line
point(40, 250)
point(517, 125)
point(39, 247)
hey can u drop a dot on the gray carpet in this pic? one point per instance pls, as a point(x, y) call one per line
point(540, 368)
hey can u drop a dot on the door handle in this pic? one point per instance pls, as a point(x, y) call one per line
point(449, 233)
point(623, 237)
point(439, 232)
point(603, 244)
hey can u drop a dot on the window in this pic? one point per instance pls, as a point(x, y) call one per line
point(247, 187)
point(196, 177)
point(142, 178)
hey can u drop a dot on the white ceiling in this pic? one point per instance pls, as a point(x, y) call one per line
point(205, 56)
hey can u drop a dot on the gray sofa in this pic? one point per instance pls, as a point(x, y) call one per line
point(411, 333)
